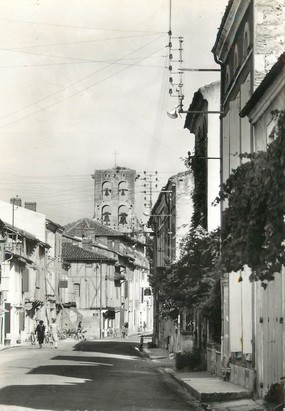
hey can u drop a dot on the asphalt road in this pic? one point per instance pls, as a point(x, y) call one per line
point(89, 375)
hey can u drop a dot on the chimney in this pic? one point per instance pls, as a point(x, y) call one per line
point(16, 201)
point(87, 244)
point(31, 205)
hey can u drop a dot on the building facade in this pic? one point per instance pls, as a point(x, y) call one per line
point(269, 303)
point(170, 221)
point(123, 283)
point(249, 41)
point(114, 198)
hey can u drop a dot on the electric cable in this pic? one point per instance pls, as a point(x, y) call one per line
point(71, 85)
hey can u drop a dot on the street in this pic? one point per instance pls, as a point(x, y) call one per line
point(87, 375)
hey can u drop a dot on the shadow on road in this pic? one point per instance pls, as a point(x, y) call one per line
point(104, 377)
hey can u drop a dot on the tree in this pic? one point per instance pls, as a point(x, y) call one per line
point(253, 229)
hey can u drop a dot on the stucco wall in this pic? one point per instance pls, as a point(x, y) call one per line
point(24, 219)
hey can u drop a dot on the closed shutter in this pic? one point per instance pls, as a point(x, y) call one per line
point(25, 283)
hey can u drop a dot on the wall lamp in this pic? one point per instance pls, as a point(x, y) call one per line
point(178, 110)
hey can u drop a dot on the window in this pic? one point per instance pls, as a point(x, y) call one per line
point(228, 77)
point(106, 213)
point(236, 58)
point(106, 189)
point(76, 289)
point(123, 189)
point(122, 215)
point(246, 40)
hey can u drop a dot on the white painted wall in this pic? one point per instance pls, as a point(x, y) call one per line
point(211, 93)
point(24, 219)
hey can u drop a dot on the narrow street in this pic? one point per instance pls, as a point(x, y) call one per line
point(89, 375)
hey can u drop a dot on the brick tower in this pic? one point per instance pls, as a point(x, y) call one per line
point(114, 198)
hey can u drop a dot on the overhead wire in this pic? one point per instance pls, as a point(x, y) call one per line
point(71, 85)
point(81, 27)
point(74, 42)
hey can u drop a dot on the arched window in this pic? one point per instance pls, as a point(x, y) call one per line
point(106, 213)
point(123, 215)
point(76, 289)
point(123, 189)
point(228, 77)
point(106, 189)
point(236, 58)
point(246, 39)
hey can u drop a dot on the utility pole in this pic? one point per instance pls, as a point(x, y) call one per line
point(150, 185)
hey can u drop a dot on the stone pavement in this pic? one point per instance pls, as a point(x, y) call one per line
point(213, 392)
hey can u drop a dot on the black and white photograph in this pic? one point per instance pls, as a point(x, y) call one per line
point(142, 205)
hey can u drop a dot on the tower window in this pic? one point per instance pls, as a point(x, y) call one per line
point(106, 213)
point(106, 189)
point(123, 215)
point(123, 188)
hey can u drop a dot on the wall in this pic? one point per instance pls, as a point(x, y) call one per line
point(24, 219)
point(269, 302)
point(114, 199)
point(269, 36)
point(211, 93)
point(184, 207)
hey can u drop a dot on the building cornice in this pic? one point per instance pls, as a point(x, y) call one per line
point(227, 33)
point(236, 77)
point(269, 96)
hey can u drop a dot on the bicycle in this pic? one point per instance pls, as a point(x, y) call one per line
point(48, 338)
point(33, 338)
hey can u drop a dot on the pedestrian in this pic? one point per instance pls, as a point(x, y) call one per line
point(79, 327)
point(53, 332)
point(40, 331)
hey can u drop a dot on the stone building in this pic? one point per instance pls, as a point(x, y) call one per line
point(170, 220)
point(114, 198)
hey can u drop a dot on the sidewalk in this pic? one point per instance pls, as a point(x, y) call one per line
point(216, 394)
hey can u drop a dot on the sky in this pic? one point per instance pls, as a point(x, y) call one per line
point(82, 80)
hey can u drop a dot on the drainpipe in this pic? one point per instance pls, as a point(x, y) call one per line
point(252, 81)
point(225, 327)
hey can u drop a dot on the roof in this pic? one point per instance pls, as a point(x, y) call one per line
point(72, 252)
point(100, 230)
point(263, 86)
point(169, 181)
point(223, 22)
point(52, 226)
point(200, 102)
point(23, 233)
